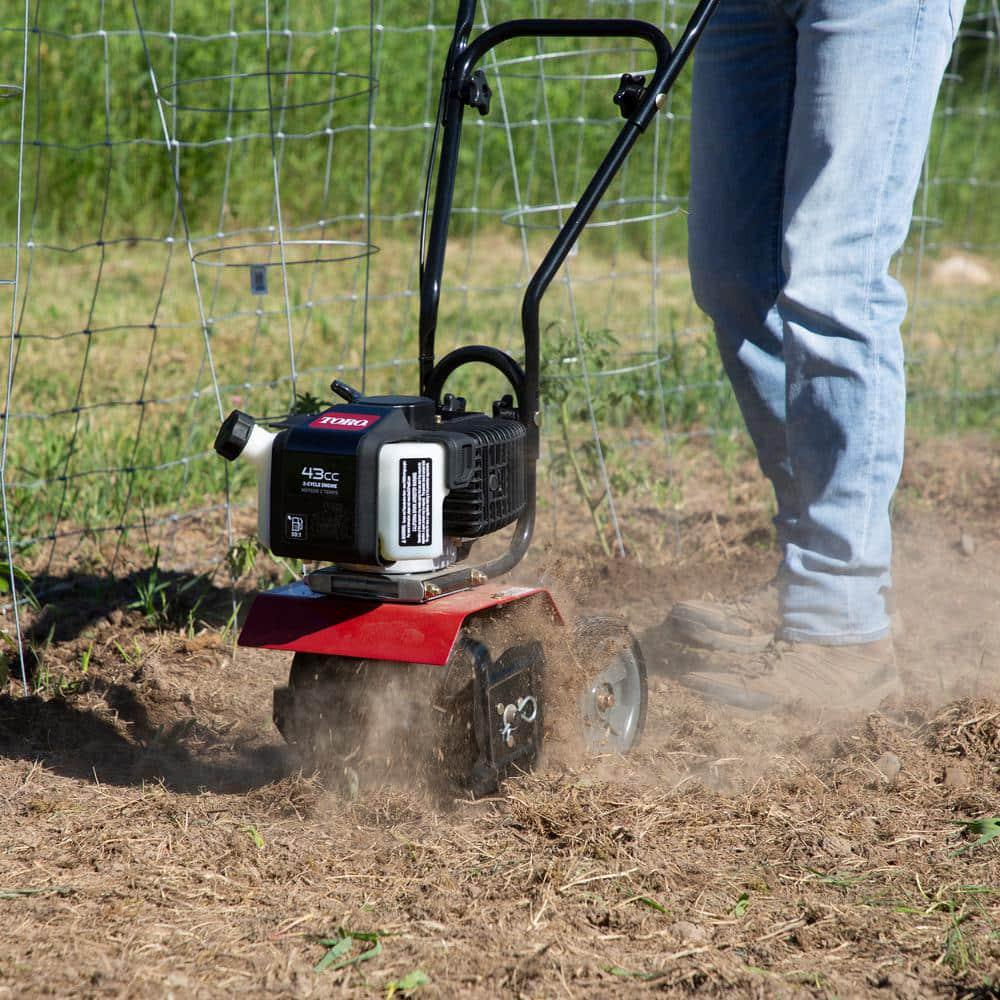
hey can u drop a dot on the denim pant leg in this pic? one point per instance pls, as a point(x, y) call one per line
point(867, 76)
point(744, 78)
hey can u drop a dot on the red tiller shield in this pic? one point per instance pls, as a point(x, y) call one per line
point(294, 617)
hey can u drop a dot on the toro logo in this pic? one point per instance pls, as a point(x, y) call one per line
point(346, 421)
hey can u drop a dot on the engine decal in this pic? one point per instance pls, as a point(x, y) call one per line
point(345, 421)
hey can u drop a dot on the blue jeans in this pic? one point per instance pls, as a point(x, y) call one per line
point(810, 124)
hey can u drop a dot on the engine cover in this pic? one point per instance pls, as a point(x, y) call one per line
point(380, 481)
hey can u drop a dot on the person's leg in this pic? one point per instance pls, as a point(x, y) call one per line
point(744, 79)
point(743, 85)
point(867, 78)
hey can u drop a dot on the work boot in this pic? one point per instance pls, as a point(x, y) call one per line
point(840, 678)
point(745, 624)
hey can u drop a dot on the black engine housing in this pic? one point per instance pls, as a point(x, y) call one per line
point(496, 493)
point(485, 475)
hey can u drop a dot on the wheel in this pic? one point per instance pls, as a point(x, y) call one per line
point(321, 713)
point(614, 696)
point(348, 718)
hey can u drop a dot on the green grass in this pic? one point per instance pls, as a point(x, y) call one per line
point(113, 408)
point(75, 106)
point(74, 103)
point(127, 415)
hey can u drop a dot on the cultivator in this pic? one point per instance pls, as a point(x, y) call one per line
point(403, 632)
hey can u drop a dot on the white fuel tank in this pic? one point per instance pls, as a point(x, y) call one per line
point(257, 451)
point(411, 492)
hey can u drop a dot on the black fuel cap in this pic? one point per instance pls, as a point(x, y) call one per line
point(233, 435)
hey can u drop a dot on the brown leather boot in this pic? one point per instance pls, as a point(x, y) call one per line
point(839, 678)
point(745, 624)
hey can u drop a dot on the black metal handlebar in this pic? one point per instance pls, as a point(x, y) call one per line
point(459, 67)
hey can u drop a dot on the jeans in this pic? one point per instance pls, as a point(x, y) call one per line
point(810, 122)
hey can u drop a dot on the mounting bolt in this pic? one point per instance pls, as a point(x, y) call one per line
point(477, 576)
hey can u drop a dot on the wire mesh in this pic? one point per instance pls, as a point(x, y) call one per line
point(164, 151)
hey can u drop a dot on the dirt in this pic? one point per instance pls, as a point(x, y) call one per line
point(157, 838)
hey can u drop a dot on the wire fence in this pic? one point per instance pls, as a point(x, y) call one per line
point(214, 205)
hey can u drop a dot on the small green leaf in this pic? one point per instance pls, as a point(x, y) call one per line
point(986, 829)
point(411, 982)
point(339, 957)
point(651, 903)
point(340, 947)
point(255, 836)
point(742, 905)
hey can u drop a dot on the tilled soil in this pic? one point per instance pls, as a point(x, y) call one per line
point(158, 839)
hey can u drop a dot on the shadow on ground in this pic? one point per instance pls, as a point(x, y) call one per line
point(68, 605)
point(86, 744)
point(132, 684)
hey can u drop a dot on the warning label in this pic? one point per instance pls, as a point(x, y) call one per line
point(415, 501)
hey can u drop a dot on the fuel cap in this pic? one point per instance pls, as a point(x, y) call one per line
point(233, 435)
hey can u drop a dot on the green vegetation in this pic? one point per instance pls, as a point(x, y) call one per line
point(340, 951)
point(110, 436)
point(83, 94)
point(985, 829)
point(114, 407)
point(86, 89)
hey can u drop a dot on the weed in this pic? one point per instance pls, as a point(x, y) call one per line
point(255, 835)
point(408, 984)
point(816, 980)
point(569, 377)
point(151, 595)
point(651, 903)
point(306, 402)
point(230, 630)
point(44, 681)
point(22, 581)
point(957, 954)
point(131, 658)
point(169, 738)
point(241, 557)
point(340, 947)
point(58, 684)
point(985, 829)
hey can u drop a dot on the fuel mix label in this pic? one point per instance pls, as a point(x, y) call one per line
point(415, 513)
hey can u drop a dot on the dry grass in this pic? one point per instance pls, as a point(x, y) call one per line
point(158, 840)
